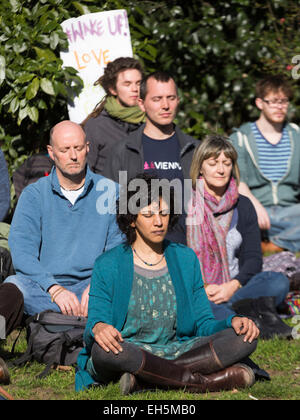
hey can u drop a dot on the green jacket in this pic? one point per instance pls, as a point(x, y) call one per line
point(111, 289)
point(286, 191)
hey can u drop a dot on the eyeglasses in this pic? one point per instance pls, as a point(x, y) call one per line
point(272, 103)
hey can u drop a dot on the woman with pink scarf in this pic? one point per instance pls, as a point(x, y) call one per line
point(222, 229)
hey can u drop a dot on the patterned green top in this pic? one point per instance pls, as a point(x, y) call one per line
point(151, 317)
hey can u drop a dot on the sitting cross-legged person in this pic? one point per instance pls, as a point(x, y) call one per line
point(149, 320)
point(59, 228)
point(224, 233)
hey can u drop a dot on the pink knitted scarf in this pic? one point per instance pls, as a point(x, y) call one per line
point(208, 223)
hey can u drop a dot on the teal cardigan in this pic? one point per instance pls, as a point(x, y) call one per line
point(111, 289)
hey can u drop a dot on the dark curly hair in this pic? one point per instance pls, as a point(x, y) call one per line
point(125, 217)
point(109, 79)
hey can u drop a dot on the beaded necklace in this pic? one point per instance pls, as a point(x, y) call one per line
point(145, 262)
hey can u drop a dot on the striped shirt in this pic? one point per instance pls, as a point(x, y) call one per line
point(273, 158)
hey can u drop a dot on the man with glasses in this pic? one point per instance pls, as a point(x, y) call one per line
point(269, 161)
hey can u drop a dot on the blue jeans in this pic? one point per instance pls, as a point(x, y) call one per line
point(266, 283)
point(37, 299)
point(285, 226)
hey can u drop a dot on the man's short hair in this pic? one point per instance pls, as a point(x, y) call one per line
point(159, 76)
point(273, 83)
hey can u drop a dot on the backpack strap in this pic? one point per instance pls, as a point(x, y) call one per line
point(58, 319)
point(27, 356)
point(50, 363)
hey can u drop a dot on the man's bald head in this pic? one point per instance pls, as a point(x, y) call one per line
point(68, 149)
point(59, 130)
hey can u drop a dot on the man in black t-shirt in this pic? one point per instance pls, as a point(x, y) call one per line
point(158, 146)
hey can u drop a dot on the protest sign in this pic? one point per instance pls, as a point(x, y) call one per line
point(95, 39)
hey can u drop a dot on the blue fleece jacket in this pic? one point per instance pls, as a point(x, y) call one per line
point(4, 188)
point(111, 289)
point(53, 241)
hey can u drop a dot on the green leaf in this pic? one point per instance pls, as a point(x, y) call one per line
point(7, 98)
point(14, 105)
point(32, 89)
point(146, 56)
point(47, 86)
point(81, 7)
point(45, 54)
point(25, 78)
point(15, 5)
point(2, 69)
point(54, 40)
point(22, 114)
point(151, 50)
point(12, 152)
point(42, 104)
point(33, 114)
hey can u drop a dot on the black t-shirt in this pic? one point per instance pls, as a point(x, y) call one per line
point(162, 158)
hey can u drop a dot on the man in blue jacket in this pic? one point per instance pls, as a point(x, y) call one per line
point(61, 224)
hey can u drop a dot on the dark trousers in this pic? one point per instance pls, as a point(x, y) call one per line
point(11, 306)
point(229, 347)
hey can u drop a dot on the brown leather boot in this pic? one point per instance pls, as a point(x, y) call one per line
point(165, 374)
point(201, 359)
point(4, 374)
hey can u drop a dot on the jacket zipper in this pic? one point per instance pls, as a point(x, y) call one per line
point(273, 185)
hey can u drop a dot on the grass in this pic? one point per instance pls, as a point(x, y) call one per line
point(281, 358)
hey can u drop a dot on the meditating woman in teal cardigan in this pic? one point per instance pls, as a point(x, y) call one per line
point(149, 320)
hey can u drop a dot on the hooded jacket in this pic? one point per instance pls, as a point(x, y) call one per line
point(104, 132)
point(128, 156)
point(286, 191)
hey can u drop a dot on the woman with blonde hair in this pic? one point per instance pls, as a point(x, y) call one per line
point(222, 229)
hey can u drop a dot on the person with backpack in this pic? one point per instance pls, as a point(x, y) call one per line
point(117, 115)
point(60, 225)
point(150, 321)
